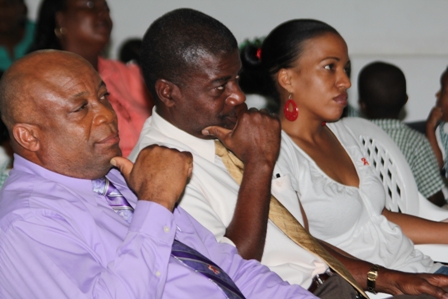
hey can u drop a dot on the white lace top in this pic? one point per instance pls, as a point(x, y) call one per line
point(349, 217)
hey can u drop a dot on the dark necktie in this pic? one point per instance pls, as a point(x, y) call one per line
point(199, 263)
point(187, 255)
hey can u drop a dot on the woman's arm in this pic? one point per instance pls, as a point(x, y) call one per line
point(419, 230)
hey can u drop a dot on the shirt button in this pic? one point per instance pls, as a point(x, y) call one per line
point(166, 229)
point(157, 273)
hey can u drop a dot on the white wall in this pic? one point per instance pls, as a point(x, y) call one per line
point(409, 33)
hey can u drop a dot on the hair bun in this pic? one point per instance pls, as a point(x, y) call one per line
point(251, 53)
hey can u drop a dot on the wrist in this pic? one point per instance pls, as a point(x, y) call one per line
point(258, 170)
point(260, 162)
point(430, 128)
point(388, 281)
point(372, 277)
point(168, 205)
point(167, 201)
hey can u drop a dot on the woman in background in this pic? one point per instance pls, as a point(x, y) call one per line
point(16, 31)
point(84, 27)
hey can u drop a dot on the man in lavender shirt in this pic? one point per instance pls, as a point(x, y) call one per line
point(59, 239)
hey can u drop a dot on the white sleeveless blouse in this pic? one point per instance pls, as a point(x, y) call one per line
point(349, 217)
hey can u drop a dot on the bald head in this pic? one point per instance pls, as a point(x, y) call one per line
point(21, 84)
point(55, 107)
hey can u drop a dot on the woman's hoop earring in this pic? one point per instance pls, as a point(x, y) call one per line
point(291, 115)
point(60, 31)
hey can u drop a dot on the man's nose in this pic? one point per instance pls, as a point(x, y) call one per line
point(104, 114)
point(237, 97)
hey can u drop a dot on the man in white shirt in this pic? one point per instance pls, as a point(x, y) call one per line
point(191, 64)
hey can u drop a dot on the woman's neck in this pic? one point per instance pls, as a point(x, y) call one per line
point(88, 53)
point(304, 128)
point(93, 59)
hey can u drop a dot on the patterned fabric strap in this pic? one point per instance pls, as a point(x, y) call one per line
point(199, 263)
point(116, 200)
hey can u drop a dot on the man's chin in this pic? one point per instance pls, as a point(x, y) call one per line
point(119, 152)
point(111, 153)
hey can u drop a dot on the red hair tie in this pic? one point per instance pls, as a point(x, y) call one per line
point(258, 53)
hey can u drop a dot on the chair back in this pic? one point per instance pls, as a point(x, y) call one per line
point(401, 190)
point(389, 163)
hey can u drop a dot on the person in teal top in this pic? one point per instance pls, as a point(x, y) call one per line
point(16, 31)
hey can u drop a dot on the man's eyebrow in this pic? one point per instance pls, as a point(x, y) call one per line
point(225, 79)
point(83, 93)
point(102, 84)
point(221, 80)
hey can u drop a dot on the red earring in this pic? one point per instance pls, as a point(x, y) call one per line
point(291, 115)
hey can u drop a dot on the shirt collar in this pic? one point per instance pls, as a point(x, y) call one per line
point(388, 123)
point(204, 148)
point(82, 185)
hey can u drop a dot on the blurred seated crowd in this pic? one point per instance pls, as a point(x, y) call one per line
point(194, 167)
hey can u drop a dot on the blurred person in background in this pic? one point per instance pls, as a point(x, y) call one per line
point(6, 152)
point(130, 51)
point(16, 31)
point(382, 97)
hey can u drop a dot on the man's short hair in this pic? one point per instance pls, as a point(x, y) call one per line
point(382, 88)
point(174, 43)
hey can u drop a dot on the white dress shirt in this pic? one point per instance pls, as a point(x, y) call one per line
point(211, 197)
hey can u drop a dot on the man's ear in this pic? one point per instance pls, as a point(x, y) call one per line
point(284, 79)
point(167, 91)
point(27, 136)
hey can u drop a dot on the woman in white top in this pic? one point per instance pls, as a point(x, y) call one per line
point(304, 64)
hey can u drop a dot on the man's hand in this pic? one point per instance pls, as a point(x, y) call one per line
point(433, 119)
point(255, 138)
point(159, 174)
point(397, 283)
point(431, 124)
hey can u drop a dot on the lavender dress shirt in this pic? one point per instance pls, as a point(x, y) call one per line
point(58, 239)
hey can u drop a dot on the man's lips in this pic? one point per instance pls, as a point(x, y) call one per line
point(111, 139)
point(341, 99)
